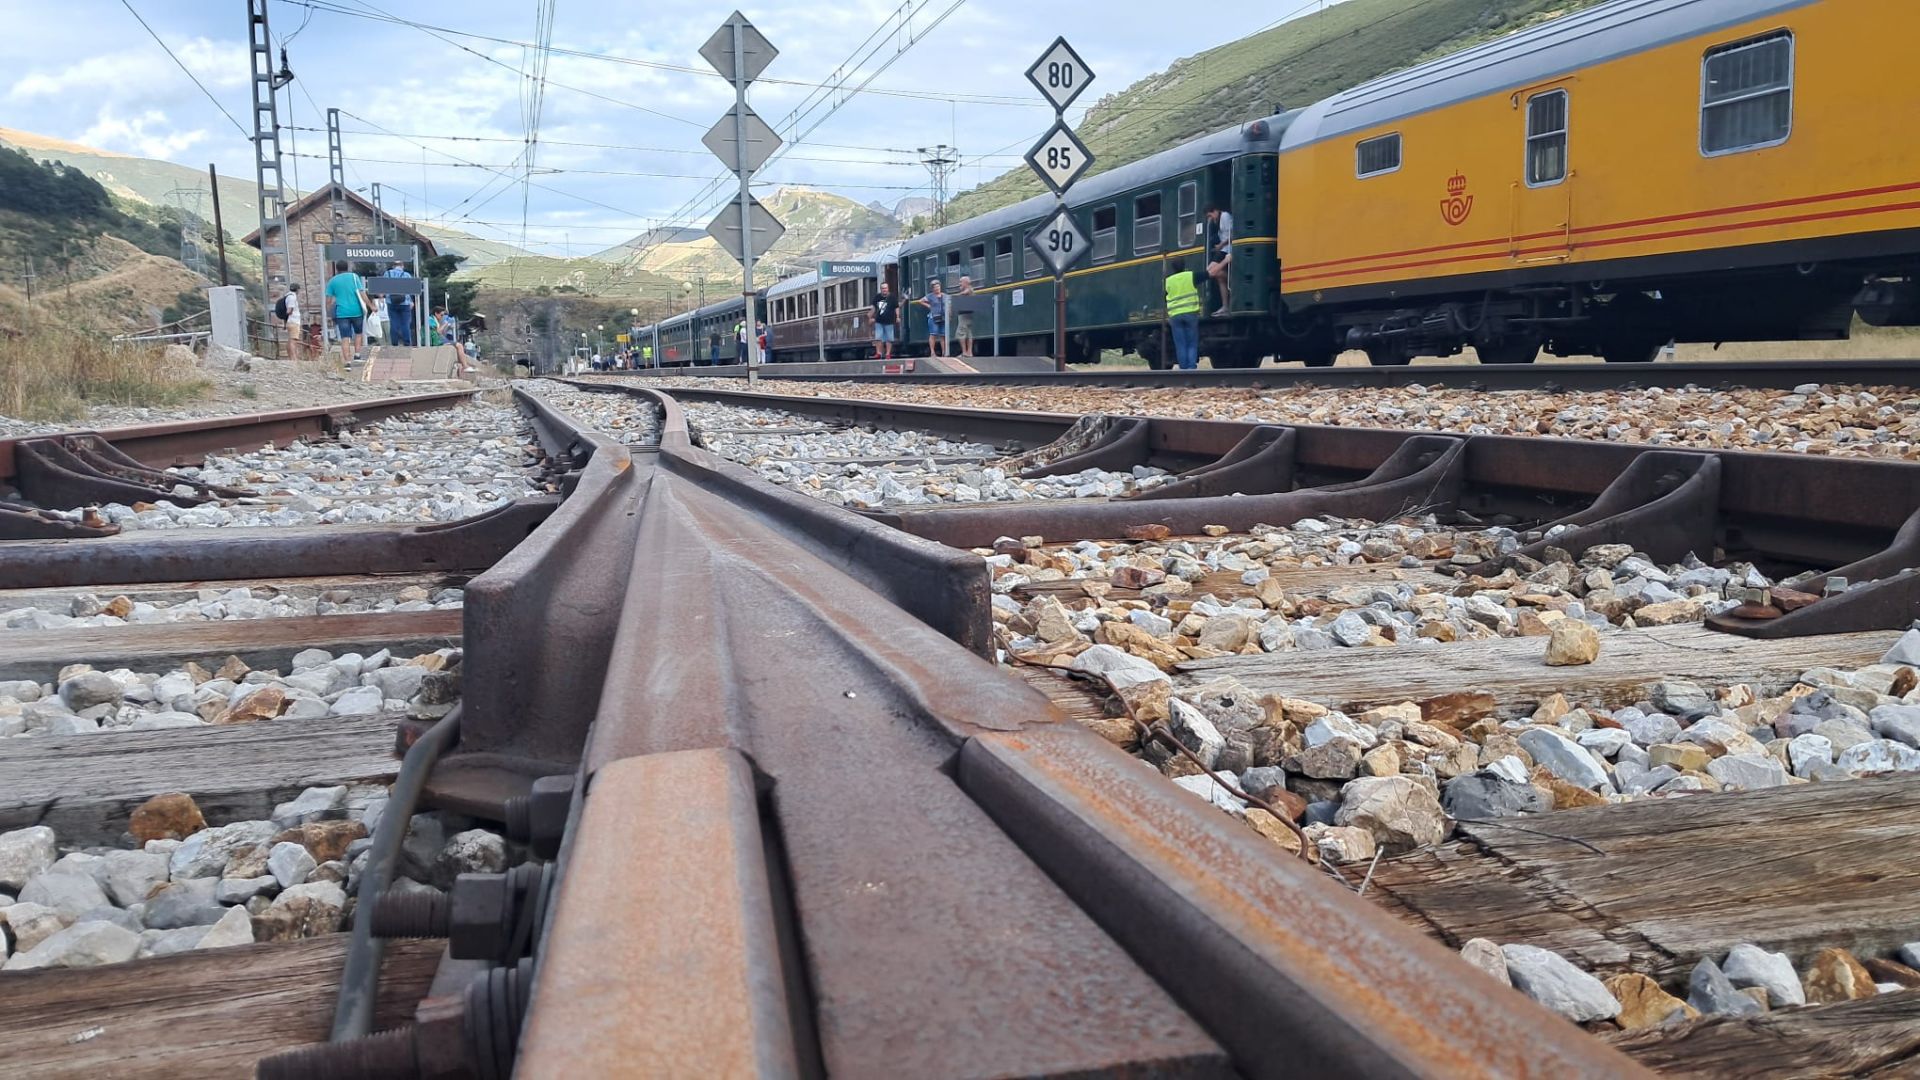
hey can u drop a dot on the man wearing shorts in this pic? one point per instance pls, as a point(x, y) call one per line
point(886, 318)
point(936, 304)
point(962, 304)
point(347, 303)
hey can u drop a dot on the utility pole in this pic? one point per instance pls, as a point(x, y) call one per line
point(940, 161)
point(269, 185)
point(219, 230)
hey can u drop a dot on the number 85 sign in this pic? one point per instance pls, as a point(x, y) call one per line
point(1059, 158)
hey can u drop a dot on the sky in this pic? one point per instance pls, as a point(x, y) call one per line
point(618, 147)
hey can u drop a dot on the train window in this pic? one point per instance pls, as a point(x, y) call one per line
point(1003, 259)
point(1031, 265)
point(1146, 224)
point(849, 295)
point(933, 271)
point(977, 263)
point(1106, 233)
point(1746, 95)
point(1186, 205)
point(1375, 157)
point(1547, 138)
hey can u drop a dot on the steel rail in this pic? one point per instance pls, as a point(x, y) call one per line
point(187, 442)
point(879, 854)
point(1576, 375)
point(1804, 509)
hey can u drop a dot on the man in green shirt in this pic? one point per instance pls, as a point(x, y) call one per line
point(347, 305)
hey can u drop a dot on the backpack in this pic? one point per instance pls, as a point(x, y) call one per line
point(280, 307)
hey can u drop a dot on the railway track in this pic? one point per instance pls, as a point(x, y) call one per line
point(1580, 375)
point(816, 730)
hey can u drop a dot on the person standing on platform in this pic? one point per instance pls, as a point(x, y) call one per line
point(347, 304)
point(936, 304)
point(740, 341)
point(399, 309)
point(962, 303)
point(886, 318)
point(1183, 314)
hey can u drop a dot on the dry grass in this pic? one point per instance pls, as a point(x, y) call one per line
point(49, 375)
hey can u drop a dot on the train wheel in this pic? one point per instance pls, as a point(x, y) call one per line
point(1632, 333)
point(1381, 354)
point(1311, 355)
point(1642, 351)
point(1520, 350)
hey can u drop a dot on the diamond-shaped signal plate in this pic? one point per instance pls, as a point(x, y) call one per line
point(726, 228)
point(1060, 74)
point(1059, 158)
point(762, 141)
point(1059, 242)
point(756, 50)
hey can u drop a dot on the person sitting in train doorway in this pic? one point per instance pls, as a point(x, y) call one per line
point(936, 304)
point(962, 304)
point(1183, 313)
point(1220, 255)
point(886, 317)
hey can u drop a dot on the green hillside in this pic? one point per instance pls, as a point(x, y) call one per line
point(1292, 65)
point(168, 186)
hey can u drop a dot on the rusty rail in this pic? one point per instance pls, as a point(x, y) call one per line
point(804, 830)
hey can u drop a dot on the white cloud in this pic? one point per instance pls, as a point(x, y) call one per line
point(136, 73)
point(147, 134)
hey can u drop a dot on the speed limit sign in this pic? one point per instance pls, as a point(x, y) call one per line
point(1059, 242)
point(1060, 74)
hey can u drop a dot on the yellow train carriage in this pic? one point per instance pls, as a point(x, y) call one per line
point(1647, 170)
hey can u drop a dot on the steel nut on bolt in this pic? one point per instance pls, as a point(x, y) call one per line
point(538, 819)
point(483, 907)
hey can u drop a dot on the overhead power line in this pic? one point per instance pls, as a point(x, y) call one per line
point(182, 65)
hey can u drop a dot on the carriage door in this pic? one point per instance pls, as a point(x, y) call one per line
point(1543, 197)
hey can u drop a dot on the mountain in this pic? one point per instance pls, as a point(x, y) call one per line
point(626, 249)
point(183, 188)
point(1290, 65)
point(820, 225)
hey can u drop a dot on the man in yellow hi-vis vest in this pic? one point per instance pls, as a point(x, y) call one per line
point(1183, 314)
point(646, 356)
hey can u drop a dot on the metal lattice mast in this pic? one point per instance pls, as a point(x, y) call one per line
point(379, 217)
point(270, 188)
point(336, 178)
point(940, 161)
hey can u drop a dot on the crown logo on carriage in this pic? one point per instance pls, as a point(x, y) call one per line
point(1458, 204)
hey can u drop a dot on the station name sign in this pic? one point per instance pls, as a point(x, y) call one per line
point(849, 269)
point(371, 252)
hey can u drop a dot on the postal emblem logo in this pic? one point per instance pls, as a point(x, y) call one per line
point(1458, 204)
